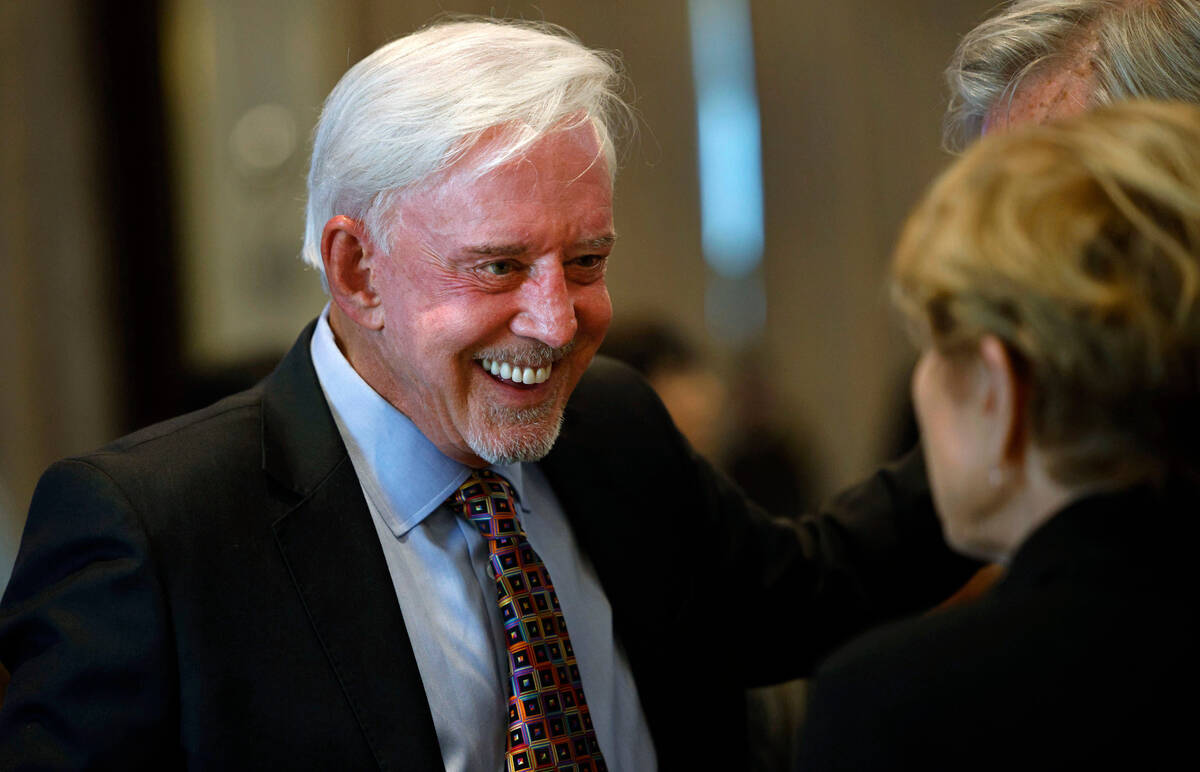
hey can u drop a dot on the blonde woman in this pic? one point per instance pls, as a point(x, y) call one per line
point(1052, 277)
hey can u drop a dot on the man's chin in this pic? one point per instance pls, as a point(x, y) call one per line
point(517, 436)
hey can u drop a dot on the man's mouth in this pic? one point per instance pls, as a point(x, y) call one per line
point(508, 371)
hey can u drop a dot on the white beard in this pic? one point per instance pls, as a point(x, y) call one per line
point(506, 436)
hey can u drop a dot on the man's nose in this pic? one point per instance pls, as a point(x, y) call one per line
point(547, 311)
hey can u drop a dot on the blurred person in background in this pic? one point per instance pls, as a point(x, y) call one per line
point(1053, 278)
point(1037, 60)
point(691, 390)
point(1034, 61)
point(764, 452)
point(438, 524)
point(738, 425)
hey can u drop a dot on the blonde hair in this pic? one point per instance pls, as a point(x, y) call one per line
point(1078, 245)
point(1147, 49)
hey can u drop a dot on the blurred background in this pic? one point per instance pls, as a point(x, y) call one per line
point(153, 157)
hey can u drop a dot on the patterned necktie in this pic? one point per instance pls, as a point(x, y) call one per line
point(549, 726)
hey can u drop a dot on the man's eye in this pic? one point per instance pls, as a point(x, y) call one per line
point(589, 261)
point(501, 268)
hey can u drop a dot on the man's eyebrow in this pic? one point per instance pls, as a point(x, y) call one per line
point(603, 242)
point(497, 250)
point(515, 250)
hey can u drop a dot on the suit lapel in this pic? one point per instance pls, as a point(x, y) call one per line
point(617, 492)
point(597, 475)
point(333, 555)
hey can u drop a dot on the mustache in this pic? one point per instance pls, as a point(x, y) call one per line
point(530, 354)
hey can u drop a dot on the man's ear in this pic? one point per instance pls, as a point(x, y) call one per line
point(1003, 403)
point(348, 255)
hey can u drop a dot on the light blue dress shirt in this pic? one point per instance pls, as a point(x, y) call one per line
point(438, 563)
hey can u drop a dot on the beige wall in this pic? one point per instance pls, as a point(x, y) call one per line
point(851, 100)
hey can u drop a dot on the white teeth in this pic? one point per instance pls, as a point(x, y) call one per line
point(516, 373)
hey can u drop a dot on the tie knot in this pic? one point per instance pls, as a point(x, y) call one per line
point(488, 501)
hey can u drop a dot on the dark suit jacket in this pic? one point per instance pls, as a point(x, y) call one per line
point(210, 592)
point(1082, 657)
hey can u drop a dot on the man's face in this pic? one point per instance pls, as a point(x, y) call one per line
point(494, 299)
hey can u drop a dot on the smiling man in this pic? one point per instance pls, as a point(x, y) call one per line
point(481, 332)
point(439, 535)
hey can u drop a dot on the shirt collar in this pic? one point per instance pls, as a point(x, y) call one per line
point(403, 472)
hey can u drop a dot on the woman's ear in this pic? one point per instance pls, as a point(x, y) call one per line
point(1003, 403)
point(348, 256)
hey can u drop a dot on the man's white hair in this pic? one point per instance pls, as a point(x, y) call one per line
point(1137, 49)
point(418, 104)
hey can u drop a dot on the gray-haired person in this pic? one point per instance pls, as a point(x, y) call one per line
point(438, 535)
point(1038, 60)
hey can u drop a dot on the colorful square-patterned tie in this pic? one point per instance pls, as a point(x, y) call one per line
point(549, 726)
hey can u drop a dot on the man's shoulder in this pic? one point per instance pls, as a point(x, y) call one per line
point(614, 385)
point(613, 398)
point(217, 418)
point(225, 424)
point(606, 372)
point(177, 485)
point(615, 418)
point(229, 434)
point(201, 462)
